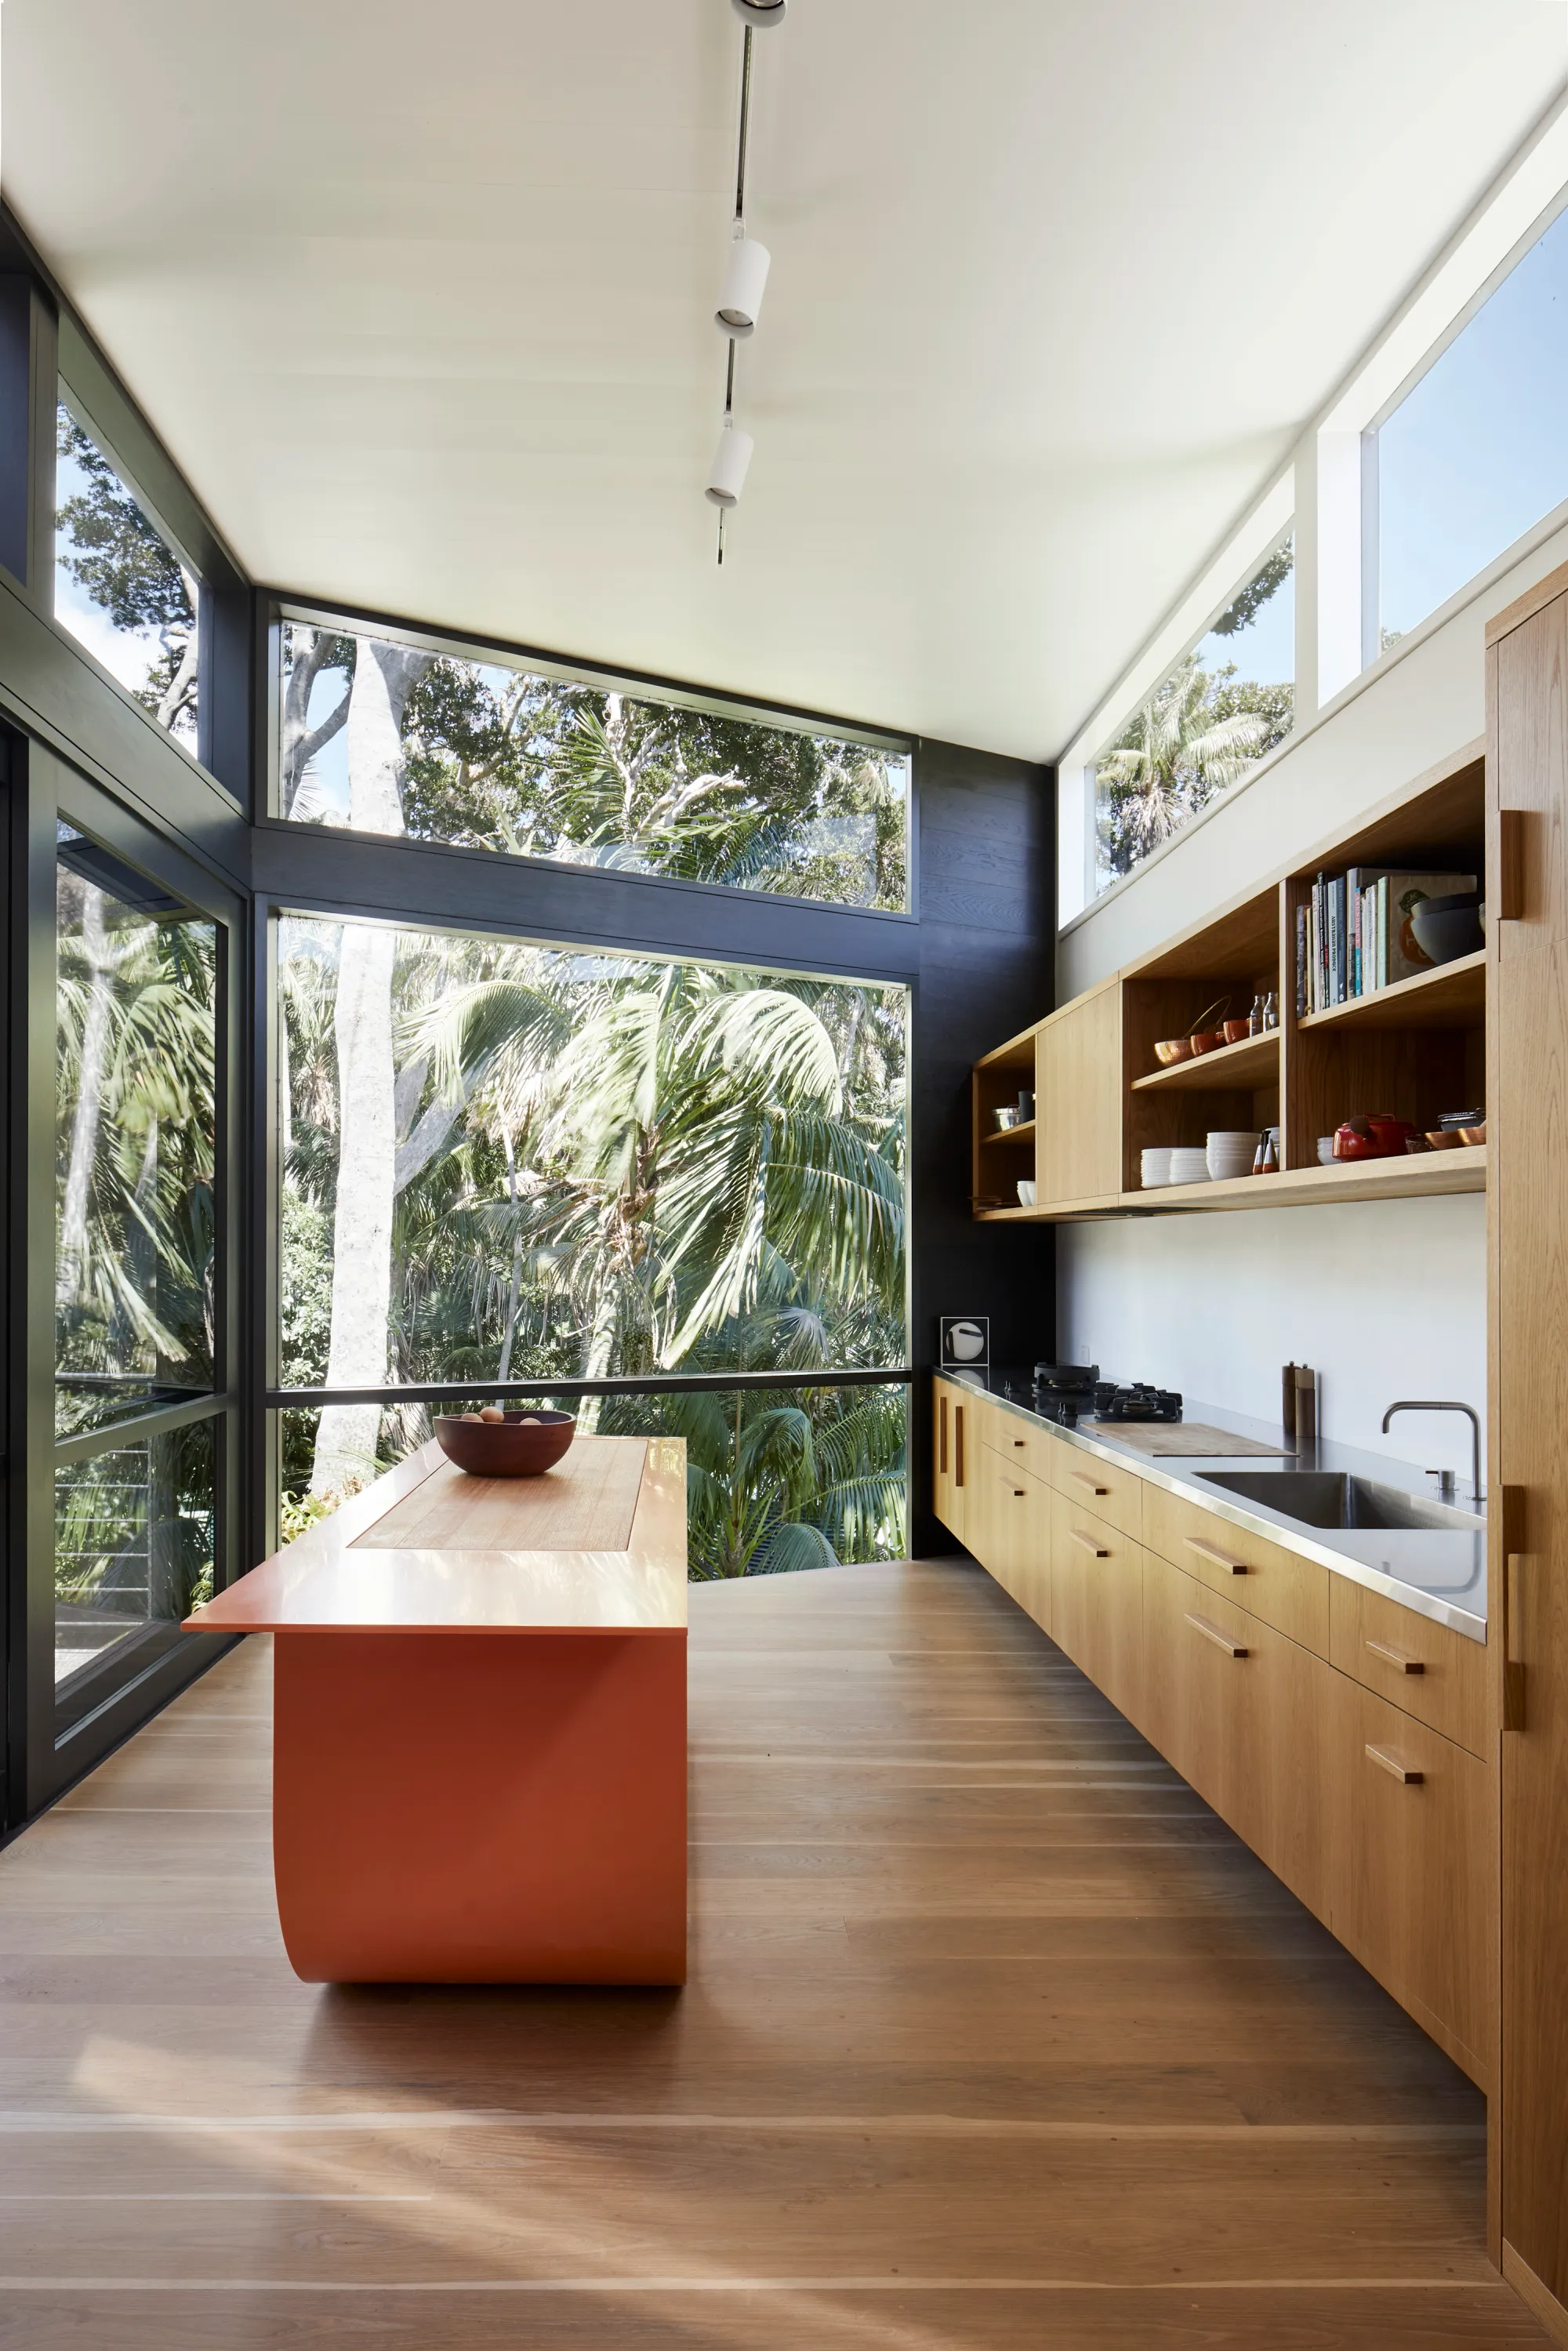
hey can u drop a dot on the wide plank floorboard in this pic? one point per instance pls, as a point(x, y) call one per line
point(995, 2037)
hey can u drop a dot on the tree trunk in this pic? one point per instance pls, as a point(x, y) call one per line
point(367, 1119)
point(71, 1272)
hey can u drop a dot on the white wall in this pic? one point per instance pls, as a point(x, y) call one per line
point(1384, 1298)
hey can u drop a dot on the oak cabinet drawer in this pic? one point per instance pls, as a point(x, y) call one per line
point(1411, 1868)
point(1422, 1667)
point(1240, 1710)
point(1097, 1603)
point(1028, 1448)
point(1104, 1487)
point(1278, 1586)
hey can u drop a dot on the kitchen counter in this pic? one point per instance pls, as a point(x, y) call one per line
point(1440, 1572)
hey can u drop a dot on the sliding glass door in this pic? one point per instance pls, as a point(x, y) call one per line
point(127, 1447)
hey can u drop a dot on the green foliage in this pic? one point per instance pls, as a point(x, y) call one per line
point(501, 759)
point(1192, 738)
point(112, 550)
point(135, 1127)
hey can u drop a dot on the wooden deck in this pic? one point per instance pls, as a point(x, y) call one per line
point(996, 2038)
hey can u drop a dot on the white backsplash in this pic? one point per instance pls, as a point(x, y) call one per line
point(1385, 1298)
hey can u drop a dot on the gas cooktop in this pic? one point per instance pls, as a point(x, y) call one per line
point(1075, 1388)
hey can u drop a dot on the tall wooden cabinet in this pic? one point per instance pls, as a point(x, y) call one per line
point(1526, 658)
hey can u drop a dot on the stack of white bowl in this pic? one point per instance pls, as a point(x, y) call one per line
point(1155, 1166)
point(1230, 1152)
point(1189, 1163)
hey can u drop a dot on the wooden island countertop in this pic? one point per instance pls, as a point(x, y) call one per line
point(479, 1752)
point(596, 1544)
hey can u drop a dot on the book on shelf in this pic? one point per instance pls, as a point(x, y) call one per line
point(1355, 935)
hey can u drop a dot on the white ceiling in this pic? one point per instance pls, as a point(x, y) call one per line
point(420, 298)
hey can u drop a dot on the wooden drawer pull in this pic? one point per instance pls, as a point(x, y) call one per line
point(1396, 1658)
point(1220, 1558)
point(1395, 1768)
point(1079, 1479)
point(1021, 1441)
point(1221, 1640)
point(1020, 1493)
point(1090, 1544)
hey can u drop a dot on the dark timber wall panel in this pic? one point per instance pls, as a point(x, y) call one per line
point(987, 904)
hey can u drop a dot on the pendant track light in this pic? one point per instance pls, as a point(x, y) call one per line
point(740, 295)
point(745, 277)
point(726, 475)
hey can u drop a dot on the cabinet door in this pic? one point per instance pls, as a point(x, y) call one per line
point(1527, 1051)
point(1241, 1712)
point(954, 1441)
point(1410, 1868)
point(1097, 1603)
point(1078, 1099)
point(1016, 1514)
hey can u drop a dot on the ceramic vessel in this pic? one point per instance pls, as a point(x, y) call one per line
point(523, 1445)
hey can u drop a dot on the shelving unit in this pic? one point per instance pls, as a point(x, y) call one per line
point(1416, 1049)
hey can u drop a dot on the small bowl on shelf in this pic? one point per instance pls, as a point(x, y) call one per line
point(1325, 1151)
point(1206, 1041)
point(1446, 928)
point(1026, 1192)
point(1235, 1031)
point(1005, 1120)
point(1172, 1050)
point(1155, 1166)
point(1444, 1138)
point(519, 1445)
point(1471, 1135)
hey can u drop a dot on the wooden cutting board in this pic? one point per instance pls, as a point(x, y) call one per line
point(1178, 1440)
point(585, 1502)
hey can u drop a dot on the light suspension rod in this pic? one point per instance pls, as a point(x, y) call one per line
point(744, 123)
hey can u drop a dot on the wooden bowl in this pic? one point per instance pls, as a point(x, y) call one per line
point(1472, 1134)
point(1207, 1041)
point(1236, 1029)
point(1444, 1138)
point(521, 1446)
point(1172, 1050)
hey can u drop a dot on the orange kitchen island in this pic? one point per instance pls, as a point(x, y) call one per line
point(479, 1758)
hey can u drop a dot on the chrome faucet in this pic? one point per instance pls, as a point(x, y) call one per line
point(1446, 1477)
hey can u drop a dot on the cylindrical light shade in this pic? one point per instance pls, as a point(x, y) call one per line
point(740, 295)
point(726, 475)
point(757, 13)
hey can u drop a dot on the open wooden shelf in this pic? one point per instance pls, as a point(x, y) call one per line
point(1415, 1176)
point(1023, 1132)
point(1255, 1061)
point(1416, 1050)
point(1452, 997)
point(1418, 1175)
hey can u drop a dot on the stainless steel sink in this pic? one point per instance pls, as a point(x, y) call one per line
point(1322, 1497)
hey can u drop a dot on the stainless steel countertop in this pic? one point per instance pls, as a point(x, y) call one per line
point(1435, 1572)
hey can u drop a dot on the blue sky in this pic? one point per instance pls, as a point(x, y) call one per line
point(1265, 652)
point(1478, 450)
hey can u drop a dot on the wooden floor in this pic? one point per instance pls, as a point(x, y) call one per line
point(995, 2038)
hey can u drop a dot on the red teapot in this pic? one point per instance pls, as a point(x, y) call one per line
point(1378, 1135)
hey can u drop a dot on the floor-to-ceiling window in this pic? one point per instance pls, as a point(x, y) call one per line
point(503, 1161)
